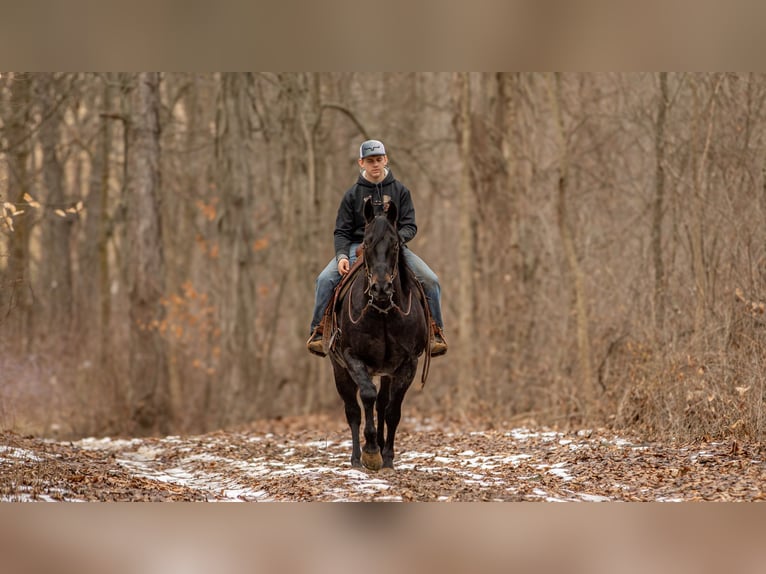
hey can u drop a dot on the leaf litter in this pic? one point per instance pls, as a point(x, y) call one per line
point(307, 459)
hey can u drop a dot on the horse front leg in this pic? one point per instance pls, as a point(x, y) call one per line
point(347, 390)
point(401, 382)
point(382, 404)
point(368, 393)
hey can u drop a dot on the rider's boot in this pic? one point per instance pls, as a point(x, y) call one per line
point(438, 342)
point(314, 343)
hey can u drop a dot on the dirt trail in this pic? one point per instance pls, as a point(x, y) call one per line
point(306, 459)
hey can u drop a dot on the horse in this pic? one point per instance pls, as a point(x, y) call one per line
point(381, 327)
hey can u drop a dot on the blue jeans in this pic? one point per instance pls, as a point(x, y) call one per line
point(329, 278)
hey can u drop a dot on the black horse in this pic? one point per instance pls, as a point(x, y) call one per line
point(380, 329)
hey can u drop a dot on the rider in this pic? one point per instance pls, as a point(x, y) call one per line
point(376, 183)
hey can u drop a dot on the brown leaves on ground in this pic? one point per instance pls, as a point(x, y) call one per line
point(307, 459)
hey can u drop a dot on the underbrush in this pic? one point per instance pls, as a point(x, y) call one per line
point(709, 388)
point(694, 392)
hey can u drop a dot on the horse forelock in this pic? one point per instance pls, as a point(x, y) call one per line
point(377, 230)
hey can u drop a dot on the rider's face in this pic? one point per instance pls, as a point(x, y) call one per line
point(374, 165)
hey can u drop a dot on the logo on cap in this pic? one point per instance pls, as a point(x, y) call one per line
point(371, 147)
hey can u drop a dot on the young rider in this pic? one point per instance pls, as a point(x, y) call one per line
point(375, 183)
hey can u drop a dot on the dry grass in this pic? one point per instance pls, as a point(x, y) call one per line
point(690, 394)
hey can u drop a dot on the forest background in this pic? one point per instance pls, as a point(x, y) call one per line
point(600, 240)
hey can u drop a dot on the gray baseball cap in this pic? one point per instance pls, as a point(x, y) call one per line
point(371, 147)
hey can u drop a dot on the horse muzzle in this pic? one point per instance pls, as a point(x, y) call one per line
point(382, 295)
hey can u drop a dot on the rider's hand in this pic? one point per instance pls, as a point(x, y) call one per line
point(343, 266)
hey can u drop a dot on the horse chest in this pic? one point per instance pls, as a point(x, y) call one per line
point(378, 361)
point(376, 353)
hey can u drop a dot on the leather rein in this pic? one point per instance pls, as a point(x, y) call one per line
point(371, 301)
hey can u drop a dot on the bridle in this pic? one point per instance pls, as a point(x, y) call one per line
point(368, 274)
point(368, 290)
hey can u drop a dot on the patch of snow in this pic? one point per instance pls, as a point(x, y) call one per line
point(522, 434)
point(18, 453)
point(106, 443)
point(585, 497)
point(318, 444)
point(559, 469)
point(617, 441)
point(415, 454)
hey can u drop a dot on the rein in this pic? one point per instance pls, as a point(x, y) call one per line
point(371, 301)
point(371, 304)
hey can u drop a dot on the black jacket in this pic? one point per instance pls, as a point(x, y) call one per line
point(349, 225)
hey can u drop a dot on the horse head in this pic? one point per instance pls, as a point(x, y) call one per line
point(381, 254)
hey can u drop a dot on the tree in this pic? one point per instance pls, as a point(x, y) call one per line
point(235, 181)
point(658, 207)
point(467, 248)
point(148, 377)
point(18, 288)
point(567, 236)
point(56, 266)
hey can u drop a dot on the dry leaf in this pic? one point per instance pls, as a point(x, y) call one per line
point(31, 201)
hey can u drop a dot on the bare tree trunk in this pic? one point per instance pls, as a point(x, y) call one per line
point(56, 264)
point(104, 232)
point(659, 205)
point(697, 229)
point(89, 311)
point(510, 275)
point(17, 305)
point(466, 250)
point(570, 252)
point(149, 402)
point(183, 196)
point(308, 111)
point(235, 181)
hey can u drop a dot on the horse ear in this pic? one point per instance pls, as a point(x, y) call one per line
point(391, 213)
point(369, 212)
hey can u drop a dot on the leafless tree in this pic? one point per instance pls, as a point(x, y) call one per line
point(148, 378)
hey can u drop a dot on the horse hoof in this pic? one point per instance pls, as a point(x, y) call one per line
point(372, 461)
point(387, 470)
